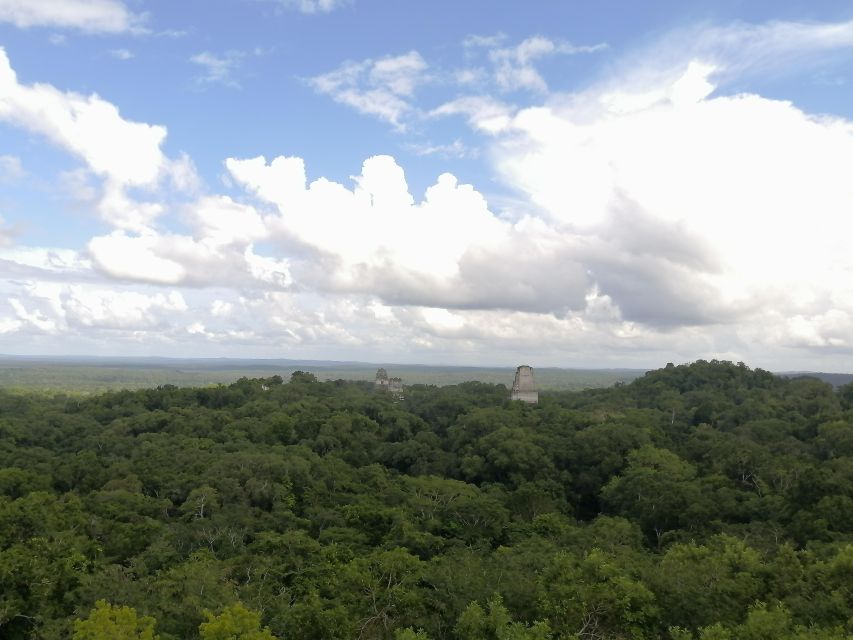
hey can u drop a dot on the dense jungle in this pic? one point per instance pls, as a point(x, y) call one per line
point(707, 501)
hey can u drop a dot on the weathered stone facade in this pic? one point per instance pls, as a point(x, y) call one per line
point(524, 387)
point(394, 385)
point(382, 381)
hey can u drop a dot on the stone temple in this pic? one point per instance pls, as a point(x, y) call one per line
point(394, 385)
point(524, 387)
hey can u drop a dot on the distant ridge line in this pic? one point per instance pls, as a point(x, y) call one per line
point(267, 362)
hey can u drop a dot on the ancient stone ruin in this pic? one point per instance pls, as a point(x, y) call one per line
point(524, 387)
point(381, 379)
point(383, 382)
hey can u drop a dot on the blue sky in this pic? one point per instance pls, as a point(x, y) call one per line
point(565, 183)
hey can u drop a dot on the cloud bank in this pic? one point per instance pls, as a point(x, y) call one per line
point(663, 215)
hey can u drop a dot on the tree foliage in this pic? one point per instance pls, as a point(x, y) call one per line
point(700, 501)
point(108, 622)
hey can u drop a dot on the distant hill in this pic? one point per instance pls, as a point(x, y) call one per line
point(94, 374)
point(835, 379)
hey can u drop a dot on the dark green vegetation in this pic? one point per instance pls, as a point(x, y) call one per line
point(705, 501)
point(96, 375)
point(835, 379)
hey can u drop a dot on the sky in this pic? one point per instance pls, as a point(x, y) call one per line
point(558, 183)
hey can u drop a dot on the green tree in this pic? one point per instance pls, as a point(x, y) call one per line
point(700, 585)
point(496, 623)
point(234, 623)
point(657, 489)
point(595, 597)
point(112, 622)
point(385, 588)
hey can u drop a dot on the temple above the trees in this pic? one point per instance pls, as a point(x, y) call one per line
point(524, 387)
point(394, 385)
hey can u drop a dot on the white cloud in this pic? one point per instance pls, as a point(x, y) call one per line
point(749, 50)
point(221, 253)
point(45, 262)
point(91, 16)
point(138, 257)
point(661, 218)
point(514, 66)
point(219, 221)
point(382, 88)
point(449, 250)
point(9, 325)
point(123, 211)
point(88, 126)
point(34, 318)
point(110, 309)
point(484, 113)
point(475, 41)
point(221, 308)
point(385, 87)
point(692, 209)
point(668, 206)
point(122, 152)
point(58, 308)
point(455, 149)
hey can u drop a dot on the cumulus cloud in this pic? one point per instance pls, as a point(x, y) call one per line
point(123, 153)
point(694, 207)
point(679, 206)
point(448, 250)
point(626, 206)
point(91, 16)
point(662, 214)
point(382, 88)
point(221, 252)
point(88, 126)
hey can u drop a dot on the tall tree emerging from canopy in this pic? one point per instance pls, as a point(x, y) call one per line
point(108, 622)
point(234, 623)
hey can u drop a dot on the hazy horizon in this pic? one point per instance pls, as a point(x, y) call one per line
point(355, 363)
